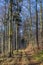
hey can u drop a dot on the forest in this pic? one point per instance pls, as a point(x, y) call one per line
point(21, 32)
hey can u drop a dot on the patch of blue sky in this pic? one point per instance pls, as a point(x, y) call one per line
point(1, 26)
point(42, 3)
point(32, 10)
point(32, 2)
point(33, 7)
point(38, 7)
point(1, 2)
point(25, 11)
point(25, 8)
point(22, 17)
point(25, 3)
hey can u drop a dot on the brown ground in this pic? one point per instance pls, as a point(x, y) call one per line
point(24, 58)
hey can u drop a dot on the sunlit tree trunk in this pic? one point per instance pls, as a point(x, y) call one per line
point(5, 30)
point(41, 23)
point(10, 27)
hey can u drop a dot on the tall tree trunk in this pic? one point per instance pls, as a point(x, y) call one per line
point(41, 22)
point(4, 37)
point(16, 36)
point(30, 20)
point(37, 26)
point(10, 27)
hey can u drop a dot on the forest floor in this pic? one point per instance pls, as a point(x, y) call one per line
point(24, 57)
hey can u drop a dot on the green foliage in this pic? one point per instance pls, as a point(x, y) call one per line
point(38, 56)
point(17, 51)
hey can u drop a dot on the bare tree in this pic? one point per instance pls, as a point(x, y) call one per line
point(41, 23)
point(37, 25)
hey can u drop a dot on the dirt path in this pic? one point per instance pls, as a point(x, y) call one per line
point(26, 60)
